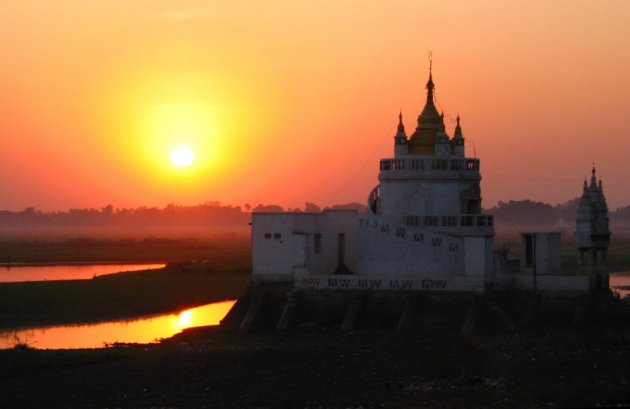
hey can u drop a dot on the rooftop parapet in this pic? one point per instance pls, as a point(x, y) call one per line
point(429, 168)
point(467, 165)
point(468, 223)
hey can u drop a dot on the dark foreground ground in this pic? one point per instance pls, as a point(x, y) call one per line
point(322, 368)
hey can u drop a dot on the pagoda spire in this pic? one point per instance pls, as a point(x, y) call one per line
point(430, 118)
point(401, 137)
point(430, 131)
point(458, 130)
point(430, 86)
point(401, 127)
point(401, 146)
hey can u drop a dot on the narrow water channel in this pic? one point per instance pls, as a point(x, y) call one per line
point(18, 273)
point(620, 283)
point(145, 330)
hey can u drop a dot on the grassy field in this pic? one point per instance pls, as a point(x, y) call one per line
point(123, 250)
point(120, 296)
point(224, 248)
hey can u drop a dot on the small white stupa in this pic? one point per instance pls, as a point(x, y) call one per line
point(592, 234)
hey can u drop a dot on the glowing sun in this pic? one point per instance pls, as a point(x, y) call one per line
point(182, 156)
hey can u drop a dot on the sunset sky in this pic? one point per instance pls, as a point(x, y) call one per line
point(290, 101)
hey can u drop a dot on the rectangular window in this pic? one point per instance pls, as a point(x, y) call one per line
point(267, 236)
point(341, 248)
point(529, 249)
point(277, 236)
point(317, 243)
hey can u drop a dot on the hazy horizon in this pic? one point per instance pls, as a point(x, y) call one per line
point(266, 204)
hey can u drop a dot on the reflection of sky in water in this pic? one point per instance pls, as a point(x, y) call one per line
point(620, 279)
point(95, 336)
point(69, 272)
point(149, 329)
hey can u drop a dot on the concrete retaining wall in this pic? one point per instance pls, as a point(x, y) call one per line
point(425, 284)
point(578, 284)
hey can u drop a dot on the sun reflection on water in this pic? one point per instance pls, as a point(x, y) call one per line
point(185, 319)
point(144, 330)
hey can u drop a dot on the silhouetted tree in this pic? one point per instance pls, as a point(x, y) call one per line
point(359, 207)
point(311, 208)
point(267, 209)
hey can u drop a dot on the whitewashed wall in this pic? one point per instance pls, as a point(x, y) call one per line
point(275, 257)
point(392, 249)
point(293, 252)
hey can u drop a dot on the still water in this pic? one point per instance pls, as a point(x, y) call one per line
point(143, 330)
point(620, 280)
point(13, 273)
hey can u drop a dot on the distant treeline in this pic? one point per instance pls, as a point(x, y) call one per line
point(208, 219)
point(213, 218)
point(521, 215)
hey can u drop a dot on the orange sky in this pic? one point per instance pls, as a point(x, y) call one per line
point(293, 101)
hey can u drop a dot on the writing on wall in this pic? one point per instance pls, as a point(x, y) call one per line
point(366, 283)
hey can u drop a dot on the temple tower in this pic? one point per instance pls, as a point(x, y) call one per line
point(592, 236)
point(424, 229)
point(430, 191)
point(429, 174)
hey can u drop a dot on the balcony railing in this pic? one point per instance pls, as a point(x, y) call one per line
point(432, 164)
point(461, 220)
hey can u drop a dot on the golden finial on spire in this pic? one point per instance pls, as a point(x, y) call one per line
point(430, 82)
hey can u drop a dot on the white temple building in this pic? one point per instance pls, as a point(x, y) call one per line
point(424, 229)
point(421, 255)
